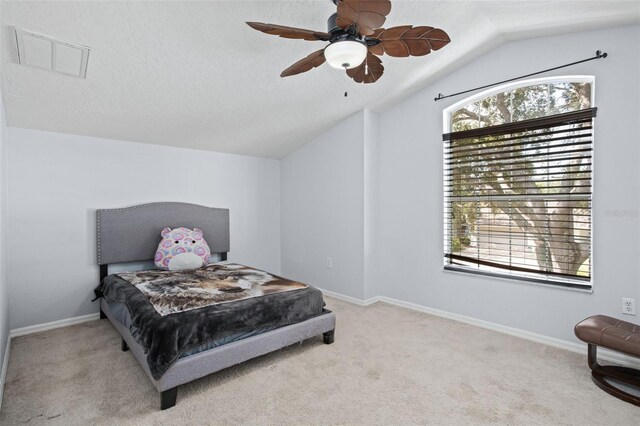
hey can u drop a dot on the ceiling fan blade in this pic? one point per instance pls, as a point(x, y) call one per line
point(303, 65)
point(408, 40)
point(289, 32)
point(369, 71)
point(366, 15)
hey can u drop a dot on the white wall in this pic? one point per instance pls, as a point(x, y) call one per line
point(371, 156)
point(4, 296)
point(57, 181)
point(410, 199)
point(401, 212)
point(367, 193)
point(322, 189)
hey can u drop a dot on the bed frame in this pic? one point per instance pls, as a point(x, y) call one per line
point(131, 235)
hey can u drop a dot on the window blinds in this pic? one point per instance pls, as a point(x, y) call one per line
point(518, 199)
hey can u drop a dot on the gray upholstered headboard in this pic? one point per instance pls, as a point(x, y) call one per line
point(132, 234)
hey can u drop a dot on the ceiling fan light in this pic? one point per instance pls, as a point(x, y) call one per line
point(345, 54)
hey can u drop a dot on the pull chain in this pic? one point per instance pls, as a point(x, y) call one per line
point(347, 80)
point(366, 72)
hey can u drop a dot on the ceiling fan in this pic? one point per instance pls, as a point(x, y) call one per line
point(356, 39)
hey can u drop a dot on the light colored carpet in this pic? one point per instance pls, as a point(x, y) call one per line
point(388, 365)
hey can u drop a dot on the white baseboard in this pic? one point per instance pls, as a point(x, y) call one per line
point(5, 365)
point(349, 299)
point(580, 348)
point(23, 331)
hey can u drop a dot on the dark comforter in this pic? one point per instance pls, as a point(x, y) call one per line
point(166, 338)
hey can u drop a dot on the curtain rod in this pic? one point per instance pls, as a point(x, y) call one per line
point(599, 55)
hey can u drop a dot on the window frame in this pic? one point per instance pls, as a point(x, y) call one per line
point(582, 286)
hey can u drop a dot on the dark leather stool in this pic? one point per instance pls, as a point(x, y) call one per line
point(617, 335)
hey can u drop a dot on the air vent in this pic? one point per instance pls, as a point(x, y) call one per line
point(45, 52)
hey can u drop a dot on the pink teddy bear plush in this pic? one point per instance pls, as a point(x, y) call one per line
point(181, 249)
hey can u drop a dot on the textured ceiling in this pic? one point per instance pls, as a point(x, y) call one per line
point(192, 74)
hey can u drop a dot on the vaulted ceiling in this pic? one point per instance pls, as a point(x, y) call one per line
point(192, 74)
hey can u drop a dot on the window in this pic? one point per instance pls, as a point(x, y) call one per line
point(517, 182)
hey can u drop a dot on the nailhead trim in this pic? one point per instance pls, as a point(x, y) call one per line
point(161, 203)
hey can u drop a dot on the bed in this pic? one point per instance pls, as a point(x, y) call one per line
point(131, 235)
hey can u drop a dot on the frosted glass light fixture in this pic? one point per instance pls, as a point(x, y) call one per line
point(345, 54)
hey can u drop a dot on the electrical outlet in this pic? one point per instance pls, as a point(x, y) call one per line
point(628, 306)
point(329, 263)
